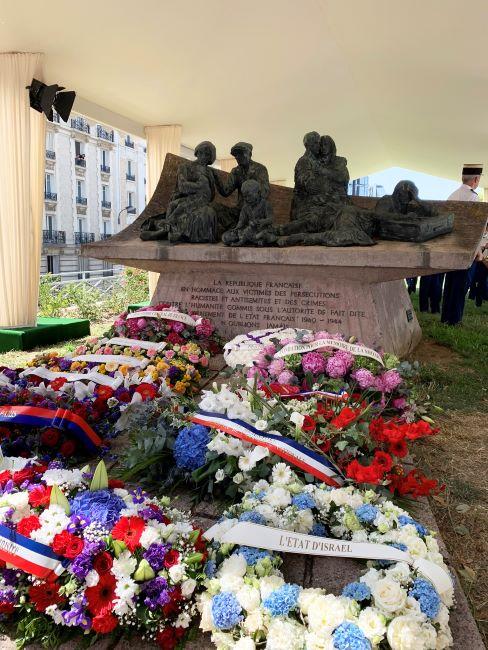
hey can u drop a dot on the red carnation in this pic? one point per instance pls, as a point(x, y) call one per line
point(169, 638)
point(50, 437)
point(171, 558)
point(147, 391)
point(104, 624)
point(376, 429)
point(58, 383)
point(44, 595)
point(309, 423)
point(60, 542)
point(26, 525)
point(101, 596)
point(419, 429)
point(25, 474)
point(4, 477)
point(103, 563)
point(129, 531)
point(363, 473)
point(39, 496)
point(104, 392)
point(68, 448)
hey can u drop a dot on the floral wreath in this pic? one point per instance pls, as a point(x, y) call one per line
point(247, 603)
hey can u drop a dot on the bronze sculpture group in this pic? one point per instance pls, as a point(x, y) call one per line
point(321, 211)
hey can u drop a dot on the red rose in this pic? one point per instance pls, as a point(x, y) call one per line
point(100, 597)
point(26, 525)
point(171, 558)
point(60, 542)
point(345, 417)
point(104, 392)
point(6, 608)
point(74, 548)
point(174, 338)
point(147, 391)
point(68, 448)
point(39, 496)
point(115, 483)
point(103, 563)
point(129, 531)
point(44, 595)
point(104, 624)
point(58, 383)
point(50, 437)
point(309, 423)
point(169, 638)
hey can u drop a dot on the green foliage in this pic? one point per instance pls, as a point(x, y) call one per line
point(82, 300)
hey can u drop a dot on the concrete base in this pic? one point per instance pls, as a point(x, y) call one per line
point(242, 298)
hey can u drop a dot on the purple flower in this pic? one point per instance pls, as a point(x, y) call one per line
point(64, 364)
point(276, 367)
point(81, 565)
point(10, 577)
point(388, 381)
point(102, 506)
point(174, 374)
point(77, 523)
point(364, 378)
point(155, 555)
point(138, 495)
point(155, 593)
point(177, 327)
point(286, 378)
point(339, 364)
point(314, 362)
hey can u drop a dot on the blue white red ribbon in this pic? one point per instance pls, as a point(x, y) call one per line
point(60, 419)
point(288, 449)
point(28, 555)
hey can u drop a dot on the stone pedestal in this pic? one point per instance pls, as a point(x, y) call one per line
point(239, 299)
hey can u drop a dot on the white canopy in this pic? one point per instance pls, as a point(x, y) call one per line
point(395, 82)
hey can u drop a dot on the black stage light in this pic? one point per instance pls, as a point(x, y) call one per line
point(43, 98)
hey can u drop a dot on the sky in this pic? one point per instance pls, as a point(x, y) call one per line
point(430, 187)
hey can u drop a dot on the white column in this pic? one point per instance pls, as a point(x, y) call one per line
point(160, 141)
point(227, 164)
point(22, 160)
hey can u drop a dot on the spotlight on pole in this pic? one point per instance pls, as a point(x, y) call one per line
point(44, 98)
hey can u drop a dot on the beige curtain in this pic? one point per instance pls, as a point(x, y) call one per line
point(226, 164)
point(22, 134)
point(160, 141)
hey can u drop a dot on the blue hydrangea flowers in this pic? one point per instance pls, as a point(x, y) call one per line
point(281, 601)
point(350, 637)
point(367, 513)
point(226, 611)
point(357, 590)
point(190, 450)
point(403, 520)
point(303, 501)
point(252, 555)
point(426, 595)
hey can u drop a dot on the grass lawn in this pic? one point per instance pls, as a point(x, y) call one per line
point(455, 371)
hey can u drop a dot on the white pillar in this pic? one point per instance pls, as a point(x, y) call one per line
point(22, 159)
point(160, 141)
point(227, 164)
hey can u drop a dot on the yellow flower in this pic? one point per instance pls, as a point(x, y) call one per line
point(180, 387)
point(162, 366)
point(124, 370)
point(101, 369)
point(150, 368)
point(75, 365)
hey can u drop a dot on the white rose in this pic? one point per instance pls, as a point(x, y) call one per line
point(238, 478)
point(188, 587)
point(400, 572)
point(370, 578)
point(254, 621)
point(177, 572)
point(249, 598)
point(325, 613)
point(297, 419)
point(314, 641)
point(92, 578)
point(231, 583)
point(388, 595)
point(219, 475)
point(245, 643)
point(284, 635)
point(278, 497)
point(149, 536)
point(306, 597)
point(407, 633)
point(235, 565)
point(261, 425)
point(373, 624)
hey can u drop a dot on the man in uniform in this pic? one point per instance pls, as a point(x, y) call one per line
point(457, 282)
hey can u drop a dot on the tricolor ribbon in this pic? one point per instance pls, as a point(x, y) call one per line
point(35, 416)
point(276, 539)
point(28, 555)
point(290, 450)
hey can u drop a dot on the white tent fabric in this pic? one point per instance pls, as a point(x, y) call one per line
point(21, 190)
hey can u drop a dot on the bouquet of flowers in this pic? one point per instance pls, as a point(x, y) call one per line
point(248, 604)
point(363, 444)
point(120, 561)
point(243, 348)
point(166, 323)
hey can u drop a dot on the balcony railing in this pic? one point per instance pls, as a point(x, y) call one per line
point(80, 162)
point(130, 177)
point(53, 237)
point(129, 142)
point(51, 196)
point(81, 200)
point(131, 210)
point(84, 238)
point(105, 168)
point(50, 154)
point(105, 235)
point(106, 204)
point(80, 124)
point(104, 134)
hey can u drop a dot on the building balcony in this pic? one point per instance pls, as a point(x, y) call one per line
point(105, 169)
point(105, 235)
point(50, 154)
point(129, 143)
point(131, 210)
point(107, 204)
point(53, 237)
point(80, 162)
point(103, 134)
point(80, 124)
point(130, 177)
point(50, 196)
point(81, 200)
point(84, 238)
